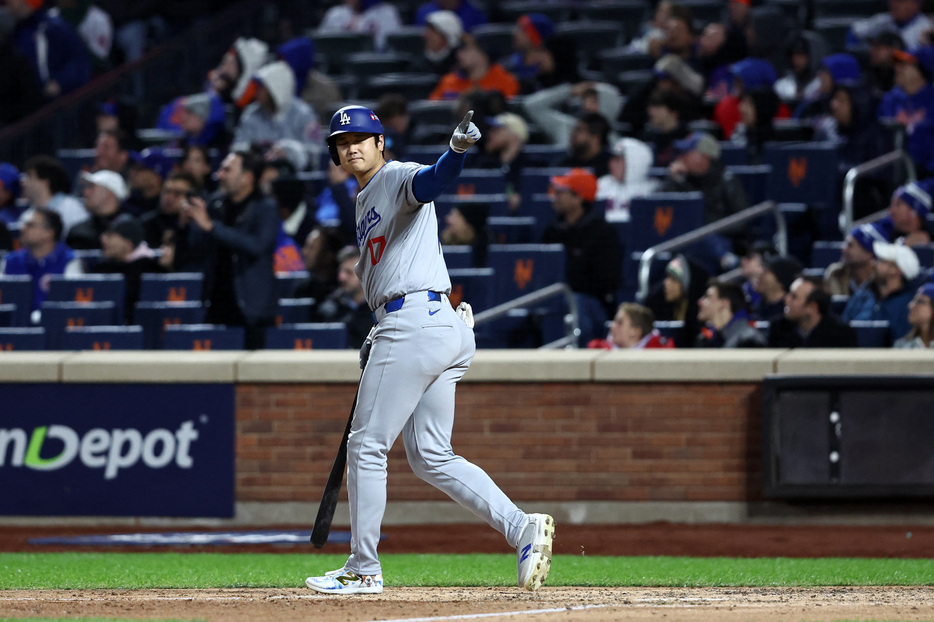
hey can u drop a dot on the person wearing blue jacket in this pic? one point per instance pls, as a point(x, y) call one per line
point(911, 103)
point(55, 51)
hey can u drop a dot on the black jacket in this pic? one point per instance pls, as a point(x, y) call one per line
point(723, 192)
point(830, 332)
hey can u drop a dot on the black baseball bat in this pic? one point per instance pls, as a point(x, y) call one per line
point(332, 490)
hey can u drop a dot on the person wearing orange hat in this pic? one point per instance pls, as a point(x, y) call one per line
point(593, 251)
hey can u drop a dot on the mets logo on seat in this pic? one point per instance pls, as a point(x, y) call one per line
point(525, 268)
point(797, 170)
point(664, 216)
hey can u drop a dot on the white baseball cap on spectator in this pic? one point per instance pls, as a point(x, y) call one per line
point(110, 180)
point(902, 256)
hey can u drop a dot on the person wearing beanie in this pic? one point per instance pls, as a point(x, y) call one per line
point(442, 34)
point(908, 213)
point(855, 268)
point(593, 249)
point(806, 321)
point(372, 17)
point(774, 284)
point(147, 174)
point(470, 15)
point(55, 51)
point(911, 103)
point(676, 298)
point(886, 296)
point(921, 318)
point(126, 252)
point(540, 59)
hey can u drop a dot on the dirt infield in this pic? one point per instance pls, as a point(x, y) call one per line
point(547, 605)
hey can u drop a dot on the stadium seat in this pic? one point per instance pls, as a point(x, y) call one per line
point(7, 314)
point(825, 252)
point(659, 217)
point(630, 81)
point(535, 180)
point(458, 257)
point(872, 333)
point(511, 229)
point(754, 180)
point(496, 39)
point(803, 173)
point(89, 257)
point(542, 155)
point(838, 304)
point(732, 154)
point(630, 14)
point(18, 338)
point(362, 65)
point(431, 111)
point(307, 336)
point(288, 282)
point(614, 61)
point(332, 47)
point(407, 40)
point(557, 10)
point(155, 316)
point(17, 290)
point(673, 329)
point(852, 9)
point(203, 337)
point(590, 38)
point(412, 86)
point(495, 204)
point(57, 316)
point(472, 285)
point(102, 338)
point(521, 269)
point(479, 181)
point(294, 310)
point(925, 255)
point(171, 287)
point(90, 288)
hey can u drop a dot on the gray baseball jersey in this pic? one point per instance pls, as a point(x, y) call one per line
point(400, 251)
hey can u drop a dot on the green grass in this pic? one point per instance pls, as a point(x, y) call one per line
point(219, 570)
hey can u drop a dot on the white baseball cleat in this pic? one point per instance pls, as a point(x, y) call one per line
point(344, 581)
point(533, 554)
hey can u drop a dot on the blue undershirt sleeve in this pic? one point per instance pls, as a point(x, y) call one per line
point(431, 181)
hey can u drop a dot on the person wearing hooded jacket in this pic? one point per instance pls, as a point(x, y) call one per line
point(311, 85)
point(805, 55)
point(232, 78)
point(628, 178)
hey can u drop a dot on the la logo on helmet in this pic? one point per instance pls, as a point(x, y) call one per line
point(345, 119)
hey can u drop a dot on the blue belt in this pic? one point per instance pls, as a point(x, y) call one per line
point(395, 305)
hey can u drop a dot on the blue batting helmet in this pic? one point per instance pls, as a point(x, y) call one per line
point(351, 119)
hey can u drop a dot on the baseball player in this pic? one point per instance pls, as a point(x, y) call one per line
point(420, 348)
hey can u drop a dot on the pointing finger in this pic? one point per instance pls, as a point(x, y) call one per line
point(466, 122)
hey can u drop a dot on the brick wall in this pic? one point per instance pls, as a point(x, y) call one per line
point(545, 441)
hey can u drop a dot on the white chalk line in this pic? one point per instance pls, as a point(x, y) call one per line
point(474, 616)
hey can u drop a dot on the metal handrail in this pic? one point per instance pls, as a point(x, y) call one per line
point(571, 321)
point(849, 182)
point(731, 221)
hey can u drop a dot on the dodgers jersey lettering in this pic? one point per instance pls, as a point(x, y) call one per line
point(398, 238)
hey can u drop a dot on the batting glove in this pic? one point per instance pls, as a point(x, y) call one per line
point(465, 313)
point(465, 135)
point(366, 347)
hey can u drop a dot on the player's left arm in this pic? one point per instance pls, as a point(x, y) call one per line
point(431, 181)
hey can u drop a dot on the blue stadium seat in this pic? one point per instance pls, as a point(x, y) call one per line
point(521, 269)
point(472, 285)
point(17, 290)
point(754, 180)
point(287, 282)
point(155, 316)
point(7, 314)
point(732, 154)
point(75, 160)
point(18, 338)
point(203, 337)
point(872, 333)
point(171, 287)
point(424, 154)
point(925, 255)
point(102, 338)
point(539, 207)
point(479, 181)
point(495, 203)
point(838, 304)
point(535, 180)
point(307, 336)
point(89, 257)
point(294, 310)
point(57, 316)
point(825, 252)
point(511, 229)
point(458, 257)
point(90, 288)
point(673, 329)
point(659, 217)
point(542, 155)
point(803, 173)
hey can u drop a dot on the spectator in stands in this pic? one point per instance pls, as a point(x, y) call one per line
point(881, 73)
point(196, 161)
point(903, 16)
point(676, 298)
point(232, 78)
point(911, 103)
point(371, 17)
point(277, 113)
point(475, 71)
point(835, 70)
point(347, 303)
point(588, 144)
point(45, 183)
point(55, 51)
point(541, 59)
point(42, 253)
point(593, 250)
point(126, 252)
point(886, 296)
point(672, 74)
point(393, 112)
point(93, 25)
point(112, 152)
point(633, 328)
point(628, 178)
point(470, 15)
point(774, 284)
point(297, 218)
point(147, 174)
point(665, 126)
point(165, 220)
point(680, 37)
point(806, 322)
point(11, 208)
point(715, 56)
point(757, 110)
point(750, 75)
point(315, 87)
point(805, 54)
point(202, 118)
point(104, 193)
point(907, 219)
point(236, 236)
point(768, 35)
point(335, 205)
point(18, 83)
point(752, 264)
point(117, 113)
point(548, 107)
point(855, 268)
point(466, 225)
point(505, 137)
point(319, 253)
point(921, 318)
point(726, 322)
point(443, 31)
point(652, 33)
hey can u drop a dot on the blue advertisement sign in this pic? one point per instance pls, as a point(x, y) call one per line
point(117, 450)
